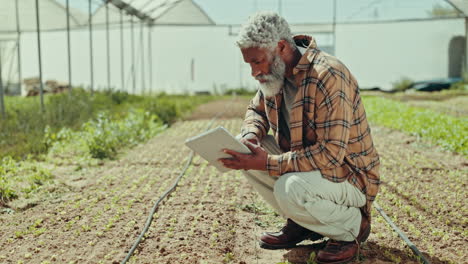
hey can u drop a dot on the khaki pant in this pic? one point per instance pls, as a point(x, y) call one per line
point(328, 208)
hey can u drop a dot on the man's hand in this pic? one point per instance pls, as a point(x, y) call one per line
point(257, 160)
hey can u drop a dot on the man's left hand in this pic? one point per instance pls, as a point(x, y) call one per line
point(257, 160)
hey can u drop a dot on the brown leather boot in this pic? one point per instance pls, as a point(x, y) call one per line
point(287, 237)
point(343, 251)
point(337, 252)
point(365, 229)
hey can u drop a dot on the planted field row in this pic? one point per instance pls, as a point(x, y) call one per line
point(423, 191)
point(447, 131)
point(105, 210)
point(97, 140)
point(199, 222)
point(128, 121)
point(95, 213)
point(457, 106)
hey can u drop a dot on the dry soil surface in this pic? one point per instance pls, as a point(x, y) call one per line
point(217, 218)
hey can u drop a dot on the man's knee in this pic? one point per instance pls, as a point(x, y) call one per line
point(290, 189)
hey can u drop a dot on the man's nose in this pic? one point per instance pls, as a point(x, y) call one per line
point(255, 72)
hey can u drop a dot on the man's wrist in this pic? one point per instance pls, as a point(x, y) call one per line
point(255, 134)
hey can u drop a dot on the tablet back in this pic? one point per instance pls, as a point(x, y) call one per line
point(209, 145)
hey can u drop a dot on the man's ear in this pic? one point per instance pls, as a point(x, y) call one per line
point(281, 46)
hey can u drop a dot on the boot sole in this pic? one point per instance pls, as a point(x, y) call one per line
point(344, 261)
point(273, 247)
point(290, 245)
point(337, 262)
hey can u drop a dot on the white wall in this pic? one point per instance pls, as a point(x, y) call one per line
point(379, 54)
point(217, 59)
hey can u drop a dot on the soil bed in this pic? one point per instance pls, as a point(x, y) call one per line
point(217, 218)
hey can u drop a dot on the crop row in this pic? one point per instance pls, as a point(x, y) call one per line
point(22, 131)
point(114, 205)
point(444, 130)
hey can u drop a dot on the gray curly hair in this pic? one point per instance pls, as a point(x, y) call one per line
point(264, 29)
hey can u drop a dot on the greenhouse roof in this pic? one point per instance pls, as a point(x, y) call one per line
point(176, 12)
point(52, 14)
point(460, 5)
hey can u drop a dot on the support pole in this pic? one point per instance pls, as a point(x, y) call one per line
point(18, 43)
point(122, 59)
point(150, 58)
point(91, 59)
point(69, 48)
point(39, 55)
point(464, 74)
point(280, 7)
point(143, 88)
point(132, 30)
point(334, 27)
point(2, 101)
point(12, 63)
point(108, 46)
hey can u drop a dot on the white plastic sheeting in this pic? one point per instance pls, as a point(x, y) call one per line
point(8, 51)
point(461, 5)
point(53, 15)
point(21, 15)
point(174, 12)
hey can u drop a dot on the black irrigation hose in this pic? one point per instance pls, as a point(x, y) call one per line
point(155, 207)
point(401, 234)
point(153, 210)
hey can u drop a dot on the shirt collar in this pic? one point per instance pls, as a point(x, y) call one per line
point(308, 43)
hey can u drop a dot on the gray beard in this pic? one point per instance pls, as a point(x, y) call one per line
point(274, 80)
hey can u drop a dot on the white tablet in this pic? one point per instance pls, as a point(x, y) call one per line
point(210, 144)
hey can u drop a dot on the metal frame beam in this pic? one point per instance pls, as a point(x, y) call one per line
point(2, 101)
point(122, 59)
point(108, 48)
point(142, 46)
point(69, 48)
point(132, 32)
point(20, 74)
point(38, 25)
point(130, 10)
point(91, 57)
point(150, 59)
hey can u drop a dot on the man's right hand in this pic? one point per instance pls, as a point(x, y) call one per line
point(250, 137)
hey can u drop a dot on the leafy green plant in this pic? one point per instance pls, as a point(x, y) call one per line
point(311, 259)
point(20, 178)
point(6, 192)
point(449, 132)
point(28, 130)
point(77, 129)
point(240, 91)
point(459, 86)
point(103, 136)
point(402, 85)
point(228, 257)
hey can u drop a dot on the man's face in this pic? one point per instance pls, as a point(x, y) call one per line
point(267, 67)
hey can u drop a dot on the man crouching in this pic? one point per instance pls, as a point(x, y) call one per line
point(319, 169)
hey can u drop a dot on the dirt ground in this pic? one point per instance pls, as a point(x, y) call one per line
point(95, 213)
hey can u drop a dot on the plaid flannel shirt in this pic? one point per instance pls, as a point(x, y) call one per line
point(328, 125)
